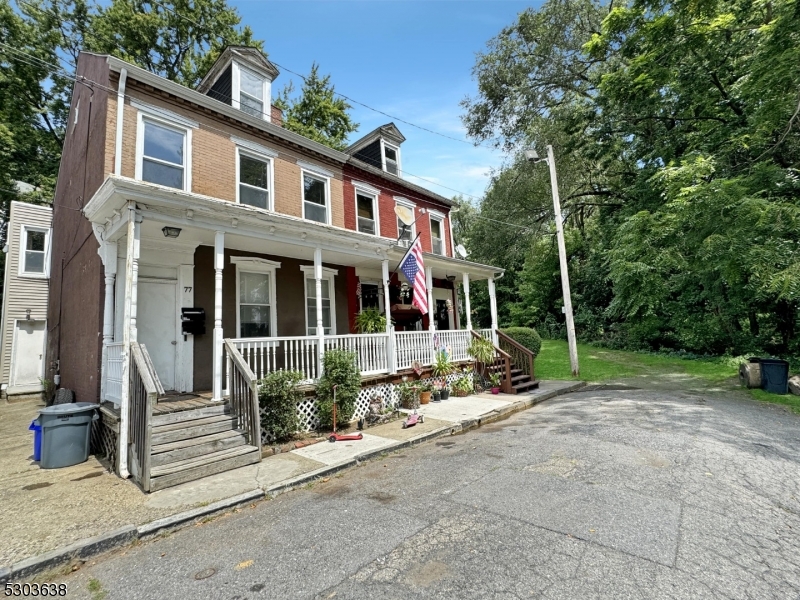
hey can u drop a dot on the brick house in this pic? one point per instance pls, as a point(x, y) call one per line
point(198, 245)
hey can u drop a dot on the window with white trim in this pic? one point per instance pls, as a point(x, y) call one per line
point(33, 253)
point(437, 235)
point(406, 233)
point(163, 153)
point(254, 180)
point(328, 302)
point(371, 295)
point(256, 314)
point(251, 92)
point(391, 159)
point(366, 212)
point(315, 197)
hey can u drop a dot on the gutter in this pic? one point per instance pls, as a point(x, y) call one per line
point(123, 78)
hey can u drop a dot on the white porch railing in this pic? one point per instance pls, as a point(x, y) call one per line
point(411, 346)
point(456, 342)
point(265, 355)
point(484, 333)
point(114, 373)
point(372, 350)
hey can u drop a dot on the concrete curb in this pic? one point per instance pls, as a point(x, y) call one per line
point(84, 549)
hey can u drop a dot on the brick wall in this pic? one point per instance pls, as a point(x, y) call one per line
point(386, 203)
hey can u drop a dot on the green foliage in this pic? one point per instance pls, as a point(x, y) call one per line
point(495, 378)
point(525, 336)
point(317, 114)
point(481, 349)
point(340, 370)
point(409, 394)
point(676, 130)
point(278, 397)
point(370, 320)
point(441, 366)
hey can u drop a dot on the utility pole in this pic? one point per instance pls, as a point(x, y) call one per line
point(532, 156)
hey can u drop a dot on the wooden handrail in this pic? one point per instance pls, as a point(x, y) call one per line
point(143, 395)
point(519, 347)
point(243, 393)
point(501, 354)
point(239, 360)
point(500, 351)
point(144, 371)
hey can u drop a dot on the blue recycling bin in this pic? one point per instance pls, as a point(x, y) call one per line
point(36, 428)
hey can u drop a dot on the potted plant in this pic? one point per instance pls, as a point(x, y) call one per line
point(462, 386)
point(425, 390)
point(437, 390)
point(482, 350)
point(408, 395)
point(441, 367)
point(495, 379)
point(370, 320)
point(445, 393)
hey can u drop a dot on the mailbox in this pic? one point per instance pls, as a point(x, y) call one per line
point(193, 321)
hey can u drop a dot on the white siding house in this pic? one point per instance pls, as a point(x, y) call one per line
point(26, 287)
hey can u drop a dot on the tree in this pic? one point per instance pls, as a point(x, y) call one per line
point(317, 113)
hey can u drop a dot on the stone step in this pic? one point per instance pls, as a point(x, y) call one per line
point(186, 449)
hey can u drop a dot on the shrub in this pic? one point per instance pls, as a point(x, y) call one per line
point(370, 320)
point(339, 369)
point(525, 336)
point(278, 397)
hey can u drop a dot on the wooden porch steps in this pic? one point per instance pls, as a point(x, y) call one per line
point(193, 443)
point(520, 382)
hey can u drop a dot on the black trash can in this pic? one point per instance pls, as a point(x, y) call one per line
point(775, 375)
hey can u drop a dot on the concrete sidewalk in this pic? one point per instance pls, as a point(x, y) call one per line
point(48, 509)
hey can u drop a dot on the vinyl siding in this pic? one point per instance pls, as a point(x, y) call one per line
point(22, 293)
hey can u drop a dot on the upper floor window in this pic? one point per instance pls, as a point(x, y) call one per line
point(366, 212)
point(163, 147)
point(391, 159)
point(34, 252)
point(315, 198)
point(251, 92)
point(437, 234)
point(406, 233)
point(254, 180)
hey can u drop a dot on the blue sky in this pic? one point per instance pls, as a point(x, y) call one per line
point(410, 59)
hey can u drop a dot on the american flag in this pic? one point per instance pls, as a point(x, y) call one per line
point(414, 270)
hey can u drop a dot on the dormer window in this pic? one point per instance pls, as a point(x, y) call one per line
point(251, 92)
point(391, 158)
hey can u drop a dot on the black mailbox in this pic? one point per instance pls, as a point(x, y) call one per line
point(193, 321)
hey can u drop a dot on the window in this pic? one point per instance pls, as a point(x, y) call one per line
point(406, 233)
point(163, 154)
point(391, 159)
point(315, 198)
point(371, 296)
point(251, 93)
point(254, 181)
point(365, 213)
point(328, 304)
point(34, 252)
point(437, 235)
point(255, 297)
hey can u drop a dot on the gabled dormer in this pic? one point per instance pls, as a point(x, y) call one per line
point(242, 77)
point(380, 148)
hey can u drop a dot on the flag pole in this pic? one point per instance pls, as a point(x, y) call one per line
point(400, 262)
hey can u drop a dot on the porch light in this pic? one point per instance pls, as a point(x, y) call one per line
point(171, 232)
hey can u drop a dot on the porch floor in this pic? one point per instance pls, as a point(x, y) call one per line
point(177, 401)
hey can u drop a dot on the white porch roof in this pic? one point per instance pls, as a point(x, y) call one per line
point(250, 229)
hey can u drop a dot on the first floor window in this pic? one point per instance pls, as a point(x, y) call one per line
point(255, 304)
point(315, 198)
point(253, 181)
point(311, 306)
point(370, 296)
point(163, 155)
point(365, 207)
point(437, 237)
point(35, 248)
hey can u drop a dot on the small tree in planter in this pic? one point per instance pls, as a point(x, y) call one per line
point(278, 397)
point(339, 369)
point(409, 395)
point(482, 350)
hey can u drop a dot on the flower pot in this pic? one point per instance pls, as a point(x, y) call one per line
point(495, 390)
point(424, 397)
point(445, 394)
point(461, 394)
point(437, 396)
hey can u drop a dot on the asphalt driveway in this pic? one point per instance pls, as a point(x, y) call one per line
point(599, 494)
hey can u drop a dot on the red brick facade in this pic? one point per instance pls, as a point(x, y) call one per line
point(390, 188)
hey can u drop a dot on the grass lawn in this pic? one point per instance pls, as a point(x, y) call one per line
point(602, 364)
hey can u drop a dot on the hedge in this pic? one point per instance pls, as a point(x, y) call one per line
point(525, 336)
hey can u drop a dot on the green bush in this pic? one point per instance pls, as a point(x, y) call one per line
point(340, 369)
point(525, 336)
point(278, 397)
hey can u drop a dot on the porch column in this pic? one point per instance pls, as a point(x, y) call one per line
point(109, 255)
point(219, 264)
point(320, 324)
point(493, 309)
point(431, 313)
point(467, 309)
point(390, 347)
point(128, 333)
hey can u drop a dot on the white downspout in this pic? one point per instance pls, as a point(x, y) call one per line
point(123, 78)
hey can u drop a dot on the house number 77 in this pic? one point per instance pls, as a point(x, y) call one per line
point(187, 289)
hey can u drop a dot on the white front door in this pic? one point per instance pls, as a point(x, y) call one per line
point(28, 353)
point(156, 324)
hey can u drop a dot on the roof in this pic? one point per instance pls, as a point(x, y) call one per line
point(252, 57)
point(195, 97)
point(389, 132)
point(400, 181)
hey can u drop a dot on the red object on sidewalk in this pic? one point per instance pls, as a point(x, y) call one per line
point(336, 437)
